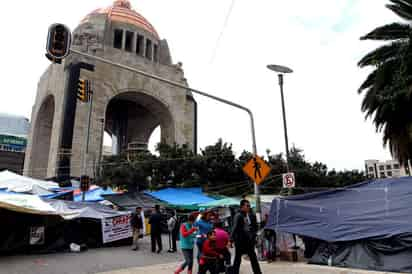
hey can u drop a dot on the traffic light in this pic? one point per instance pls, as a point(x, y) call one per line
point(84, 183)
point(83, 90)
point(58, 42)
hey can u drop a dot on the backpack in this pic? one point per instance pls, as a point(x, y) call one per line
point(171, 223)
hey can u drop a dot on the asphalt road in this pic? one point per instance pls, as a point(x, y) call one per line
point(90, 261)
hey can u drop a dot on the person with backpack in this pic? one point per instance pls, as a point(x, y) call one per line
point(173, 227)
point(187, 241)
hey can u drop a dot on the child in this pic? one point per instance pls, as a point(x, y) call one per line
point(187, 236)
point(210, 256)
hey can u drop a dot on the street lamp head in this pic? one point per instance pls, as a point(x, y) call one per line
point(280, 69)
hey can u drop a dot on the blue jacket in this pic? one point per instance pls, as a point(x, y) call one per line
point(204, 227)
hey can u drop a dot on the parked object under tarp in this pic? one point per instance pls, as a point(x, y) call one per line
point(367, 225)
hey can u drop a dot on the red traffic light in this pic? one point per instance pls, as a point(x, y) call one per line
point(58, 41)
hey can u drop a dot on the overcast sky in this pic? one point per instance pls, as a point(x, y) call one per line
point(318, 39)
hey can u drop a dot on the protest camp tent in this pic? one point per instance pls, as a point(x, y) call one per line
point(34, 225)
point(367, 225)
point(184, 198)
point(131, 200)
point(224, 202)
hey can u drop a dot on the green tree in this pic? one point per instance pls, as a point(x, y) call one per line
point(387, 89)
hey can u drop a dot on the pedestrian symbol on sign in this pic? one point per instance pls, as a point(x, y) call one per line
point(256, 167)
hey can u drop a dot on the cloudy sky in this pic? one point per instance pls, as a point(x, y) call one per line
point(225, 46)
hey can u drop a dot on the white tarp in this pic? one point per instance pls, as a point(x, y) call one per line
point(70, 210)
point(17, 183)
point(26, 204)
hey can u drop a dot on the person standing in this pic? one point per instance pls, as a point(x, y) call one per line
point(244, 236)
point(187, 241)
point(204, 225)
point(173, 227)
point(156, 229)
point(137, 227)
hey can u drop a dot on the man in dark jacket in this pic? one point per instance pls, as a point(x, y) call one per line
point(244, 236)
point(156, 229)
point(137, 226)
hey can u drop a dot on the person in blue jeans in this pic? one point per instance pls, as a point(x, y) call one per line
point(204, 226)
point(187, 236)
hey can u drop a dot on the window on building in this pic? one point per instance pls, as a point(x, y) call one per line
point(381, 167)
point(370, 169)
point(396, 166)
point(389, 173)
point(139, 44)
point(149, 50)
point(382, 175)
point(118, 37)
point(388, 167)
point(155, 52)
point(129, 39)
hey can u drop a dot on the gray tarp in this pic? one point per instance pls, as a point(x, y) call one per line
point(71, 210)
point(377, 208)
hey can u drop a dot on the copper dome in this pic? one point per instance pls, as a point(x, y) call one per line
point(122, 11)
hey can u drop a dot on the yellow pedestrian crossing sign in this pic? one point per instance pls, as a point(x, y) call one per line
point(257, 169)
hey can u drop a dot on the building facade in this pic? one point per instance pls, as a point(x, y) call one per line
point(385, 169)
point(13, 141)
point(127, 106)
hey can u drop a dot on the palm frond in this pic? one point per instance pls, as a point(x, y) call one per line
point(402, 8)
point(392, 31)
point(382, 54)
point(369, 81)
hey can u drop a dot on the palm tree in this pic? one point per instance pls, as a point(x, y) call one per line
point(388, 88)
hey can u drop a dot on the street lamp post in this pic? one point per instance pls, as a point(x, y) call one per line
point(281, 70)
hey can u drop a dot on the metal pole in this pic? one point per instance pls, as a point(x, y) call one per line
point(176, 84)
point(86, 153)
point(284, 121)
point(101, 148)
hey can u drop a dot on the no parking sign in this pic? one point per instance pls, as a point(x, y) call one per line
point(288, 180)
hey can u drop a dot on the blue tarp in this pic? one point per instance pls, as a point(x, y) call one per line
point(377, 208)
point(94, 195)
point(56, 195)
point(181, 196)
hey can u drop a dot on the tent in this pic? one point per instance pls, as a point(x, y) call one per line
point(17, 183)
point(367, 225)
point(186, 198)
point(221, 203)
point(34, 225)
point(131, 200)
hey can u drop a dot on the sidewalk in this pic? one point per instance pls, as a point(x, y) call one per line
point(277, 267)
